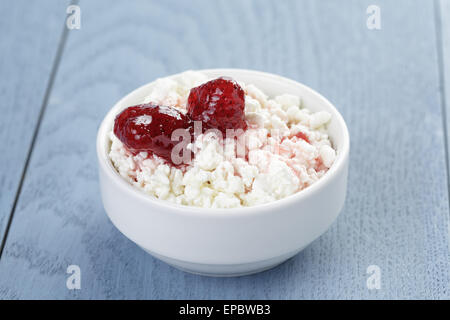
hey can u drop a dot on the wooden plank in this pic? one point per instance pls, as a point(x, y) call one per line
point(385, 82)
point(444, 21)
point(28, 45)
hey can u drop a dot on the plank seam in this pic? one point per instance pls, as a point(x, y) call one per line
point(443, 98)
point(54, 71)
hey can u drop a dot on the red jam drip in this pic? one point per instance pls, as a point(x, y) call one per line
point(302, 135)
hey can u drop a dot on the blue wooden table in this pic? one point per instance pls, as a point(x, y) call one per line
point(392, 86)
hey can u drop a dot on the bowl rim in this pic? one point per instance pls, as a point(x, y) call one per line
point(339, 164)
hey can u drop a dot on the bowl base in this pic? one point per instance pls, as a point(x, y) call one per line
point(225, 270)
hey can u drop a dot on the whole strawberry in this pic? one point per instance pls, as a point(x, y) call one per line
point(219, 104)
point(149, 127)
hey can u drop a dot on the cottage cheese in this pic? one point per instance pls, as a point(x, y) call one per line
point(277, 162)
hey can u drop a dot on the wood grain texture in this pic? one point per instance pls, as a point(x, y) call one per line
point(385, 83)
point(30, 33)
point(444, 7)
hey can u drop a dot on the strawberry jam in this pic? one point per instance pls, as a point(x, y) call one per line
point(302, 135)
point(149, 128)
point(219, 104)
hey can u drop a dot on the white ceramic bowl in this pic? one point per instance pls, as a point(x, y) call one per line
point(227, 242)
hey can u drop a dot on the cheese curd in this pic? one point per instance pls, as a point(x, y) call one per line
point(284, 150)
